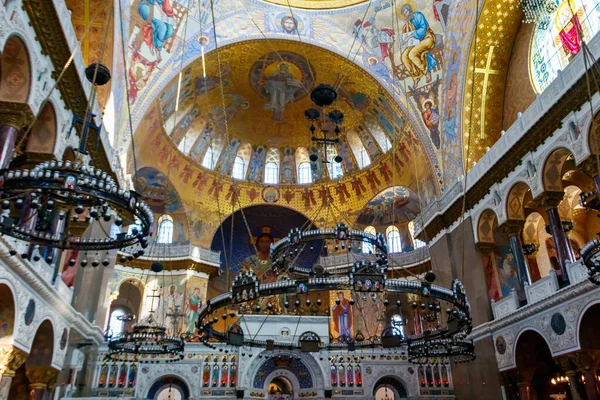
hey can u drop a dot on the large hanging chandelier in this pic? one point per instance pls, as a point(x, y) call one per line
point(443, 341)
point(38, 205)
point(70, 190)
point(538, 11)
point(148, 342)
point(591, 258)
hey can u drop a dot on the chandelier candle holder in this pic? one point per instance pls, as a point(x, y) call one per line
point(148, 342)
point(538, 11)
point(367, 279)
point(591, 258)
point(69, 190)
point(323, 96)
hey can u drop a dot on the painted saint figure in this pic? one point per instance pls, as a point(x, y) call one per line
point(431, 117)
point(417, 41)
point(194, 303)
point(282, 88)
point(160, 28)
point(342, 317)
point(289, 25)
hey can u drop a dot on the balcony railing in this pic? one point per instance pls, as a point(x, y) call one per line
point(539, 290)
point(404, 259)
point(161, 251)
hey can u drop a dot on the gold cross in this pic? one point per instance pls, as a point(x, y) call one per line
point(86, 21)
point(486, 74)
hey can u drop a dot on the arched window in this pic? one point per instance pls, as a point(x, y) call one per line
point(209, 161)
point(116, 325)
point(165, 230)
point(368, 247)
point(238, 168)
point(334, 168)
point(304, 173)
point(378, 134)
point(360, 153)
point(393, 239)
point(397, 325)
point(557, 39)
point(271, 173)
point(272, 167)
point(411, 228)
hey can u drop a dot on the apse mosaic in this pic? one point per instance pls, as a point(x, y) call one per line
point(252, 235)
point(392, 206)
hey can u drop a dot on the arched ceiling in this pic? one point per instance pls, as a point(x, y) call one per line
point(366, 34)
point(252, 114)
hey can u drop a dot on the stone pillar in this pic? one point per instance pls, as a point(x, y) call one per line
point(513, 228)
point(564, 253)
point(571, 372)
point(523, 381)
point(13, 117)
point(41, 381)
point(586, 363)
point(11, 359)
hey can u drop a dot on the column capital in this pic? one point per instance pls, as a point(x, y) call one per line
point(17, 115)
point(485, 247)
point(11, 358)
point(583, 360)
point(41, 377)
point(588, 166)
point(549, 199)
point(512, 227)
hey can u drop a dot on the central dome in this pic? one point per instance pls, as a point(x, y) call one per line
point(253, 109)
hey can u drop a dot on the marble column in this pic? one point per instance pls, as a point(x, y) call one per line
point(41, 381)
point(13, 117)
point(11, 359)
point(564, 253)
point(513, 228)
point(590, 384)
point(523, 378)
point(587, 362)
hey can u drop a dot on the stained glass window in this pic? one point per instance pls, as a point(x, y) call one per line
point(557, 40)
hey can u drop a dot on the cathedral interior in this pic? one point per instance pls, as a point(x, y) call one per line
point(300, 199)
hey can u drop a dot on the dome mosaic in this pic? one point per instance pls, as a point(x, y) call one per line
point(245, 117)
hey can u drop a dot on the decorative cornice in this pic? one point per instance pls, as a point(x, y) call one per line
point(545, 127)
point(560, 297)
point(48, 29)
point(186, 263)
point(46, 291)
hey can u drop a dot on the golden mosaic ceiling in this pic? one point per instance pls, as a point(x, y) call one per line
point(485, 78)
point(253, 113)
